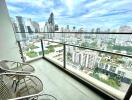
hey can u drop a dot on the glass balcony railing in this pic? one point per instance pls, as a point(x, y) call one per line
point(108, 70)
point(110, 42)
point(31, 49)
point(54, 51)
point(102, 59)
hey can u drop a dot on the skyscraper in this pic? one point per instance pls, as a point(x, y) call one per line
point(29, 29)
point(29, 26)
point(98, 30)
point(21, 26)
point(46, 27)
point(51, 26)
point(67, 28)
point(20, 23)
point(92, 30)
point(15, 27)
point(56, 27)
point(46, 30)
point(36, 26)
point(51, 18)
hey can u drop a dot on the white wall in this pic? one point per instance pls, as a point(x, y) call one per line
point(8, 46)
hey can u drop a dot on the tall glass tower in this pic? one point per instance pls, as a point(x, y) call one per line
point(51, 23)
point(21, 26)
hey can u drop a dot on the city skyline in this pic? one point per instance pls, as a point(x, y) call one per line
point(93, 13)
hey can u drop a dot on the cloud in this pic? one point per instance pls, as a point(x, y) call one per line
point(95, 3)
point(38, 3)
point(87, 13)
point(14, 9)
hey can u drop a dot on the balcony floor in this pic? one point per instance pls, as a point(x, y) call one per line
point(61, 85)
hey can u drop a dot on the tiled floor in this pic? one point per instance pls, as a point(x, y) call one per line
point(59, 84)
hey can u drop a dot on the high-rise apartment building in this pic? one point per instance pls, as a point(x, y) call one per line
point(125, 28)
point(36, 26)
point(46, 27)
point(32, 26)
point(86, 59)
point(29, 26)
point(56, 27)
point(98, 30)
point(67, 29)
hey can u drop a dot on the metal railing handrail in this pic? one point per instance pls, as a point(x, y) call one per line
point(93, 49)
point(83, 32)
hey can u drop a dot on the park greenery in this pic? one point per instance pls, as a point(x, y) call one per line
point(128, 49)
point(112, 81)
point(113, 62)
point(32, 46)
point(50, 49)
point(31, 54)
point(110, 46)
point(59, 45)
point(89, 45)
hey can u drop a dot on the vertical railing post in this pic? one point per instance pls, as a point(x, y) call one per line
point(129, 93)
point(64, 55)
point(42, 47)
point(21, 52)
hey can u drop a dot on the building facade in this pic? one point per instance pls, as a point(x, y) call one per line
point(85, 59)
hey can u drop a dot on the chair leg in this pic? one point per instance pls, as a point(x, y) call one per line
point(16, 85)
point(34, 99)
point(14, 81)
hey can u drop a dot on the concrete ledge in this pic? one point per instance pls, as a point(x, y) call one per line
point(114, 93)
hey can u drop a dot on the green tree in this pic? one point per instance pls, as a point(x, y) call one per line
point(51, 48)
point(31, 54)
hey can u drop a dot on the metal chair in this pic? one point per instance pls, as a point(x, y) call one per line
point(43, 97)
point(4, 91)
point(26, 88)
point(40, 96)
point(12, 66)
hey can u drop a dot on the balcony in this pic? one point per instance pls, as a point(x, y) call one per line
point(104, 65)
point(61, 85)
point(73, 65)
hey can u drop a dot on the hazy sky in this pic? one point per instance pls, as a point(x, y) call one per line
point(85, 13)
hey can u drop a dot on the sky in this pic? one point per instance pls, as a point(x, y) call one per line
point(79, 13)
